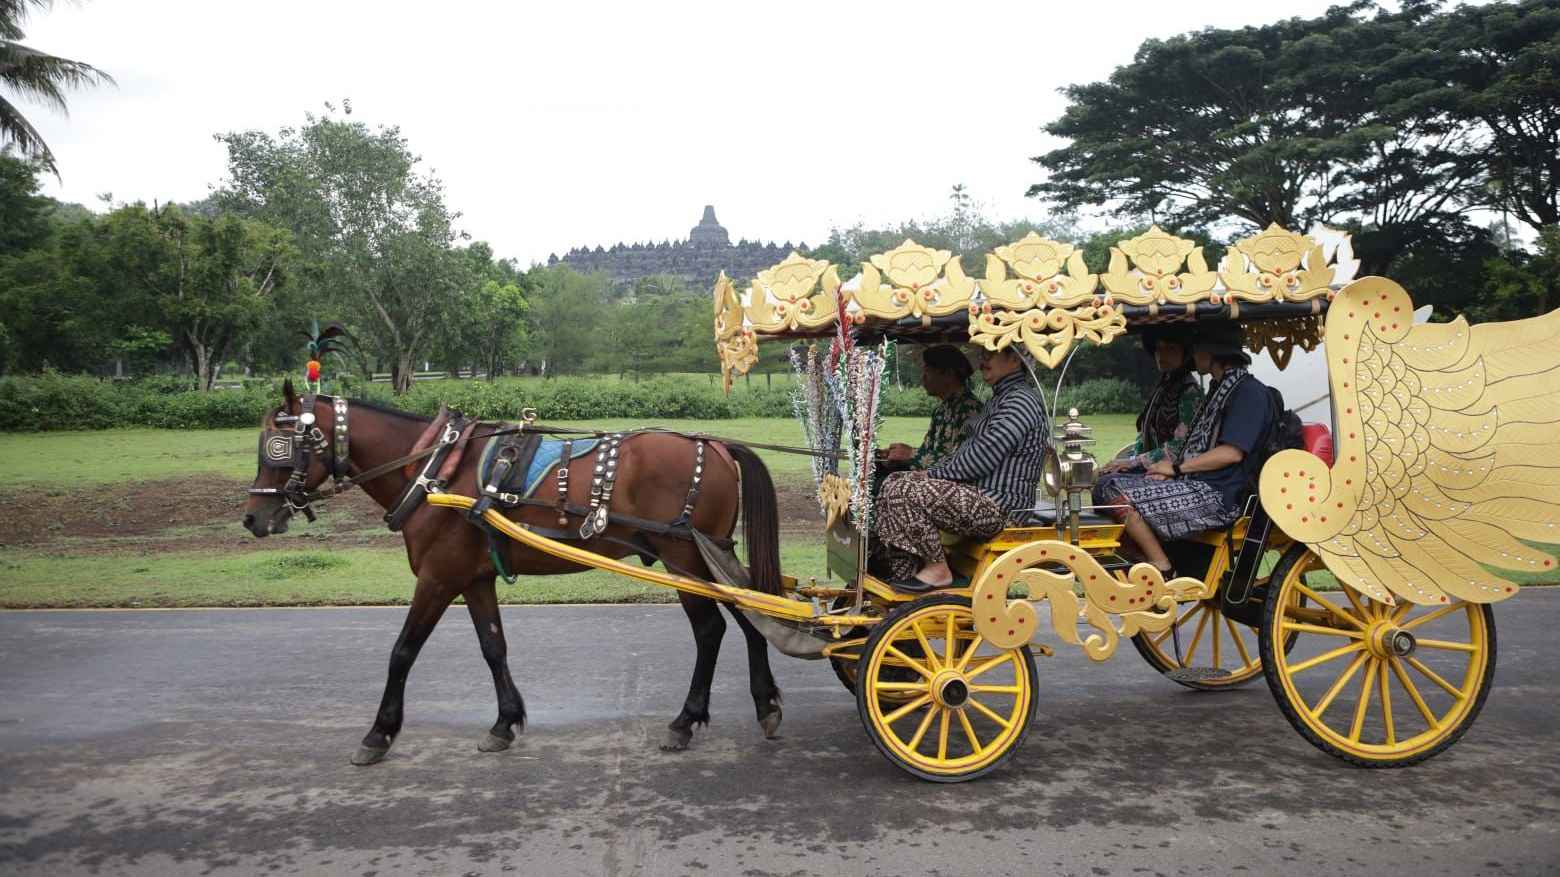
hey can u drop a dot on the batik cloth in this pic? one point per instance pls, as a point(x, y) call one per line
point(912, 509)
point(950, 426)
point(1234, 412)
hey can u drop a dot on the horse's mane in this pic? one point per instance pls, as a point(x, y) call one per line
point(393, 412)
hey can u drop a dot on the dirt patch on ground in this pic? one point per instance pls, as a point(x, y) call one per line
point(202, 514)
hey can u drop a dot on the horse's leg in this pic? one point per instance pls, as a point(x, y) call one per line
point(708, 628)
point(428, 604)
point(482, 603)
point(766, 694)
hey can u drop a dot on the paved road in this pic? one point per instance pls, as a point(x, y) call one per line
point(199, 742)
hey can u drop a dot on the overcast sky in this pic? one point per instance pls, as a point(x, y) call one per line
point(562, 124)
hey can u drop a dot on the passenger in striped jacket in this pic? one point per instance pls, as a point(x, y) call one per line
point(972, 491)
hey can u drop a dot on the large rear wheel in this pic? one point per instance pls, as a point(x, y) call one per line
point(1372, 684)
point(939, 701)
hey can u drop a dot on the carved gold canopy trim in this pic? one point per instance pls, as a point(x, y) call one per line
point(1037, 293)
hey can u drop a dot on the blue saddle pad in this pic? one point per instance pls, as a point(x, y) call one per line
point(547, 456)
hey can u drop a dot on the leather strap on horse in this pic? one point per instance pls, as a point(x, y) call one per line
point(456, 433)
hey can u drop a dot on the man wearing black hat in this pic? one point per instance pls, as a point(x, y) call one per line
point(1202, 486)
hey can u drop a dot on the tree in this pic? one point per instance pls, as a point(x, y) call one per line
point(1501, 62)
point(377, 234)
point(568, 313)
point(37, 76)
point(207, 282)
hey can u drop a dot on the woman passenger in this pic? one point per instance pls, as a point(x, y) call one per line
point(1165, 421)
point(945, 376)
point(1200, 486)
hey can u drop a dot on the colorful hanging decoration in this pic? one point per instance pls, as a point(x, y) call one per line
point(814, 405)
point(322, 342)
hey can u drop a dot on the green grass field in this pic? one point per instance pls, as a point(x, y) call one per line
point(64, 460)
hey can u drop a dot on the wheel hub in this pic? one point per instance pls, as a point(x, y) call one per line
point(1386, 640)
point(950, 690)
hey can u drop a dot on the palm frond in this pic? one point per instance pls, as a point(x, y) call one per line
point(44, 77)
point(14, 128)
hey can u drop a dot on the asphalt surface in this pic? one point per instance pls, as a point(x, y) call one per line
point(201, 742)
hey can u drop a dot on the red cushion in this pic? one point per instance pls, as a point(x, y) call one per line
point(1317, 439)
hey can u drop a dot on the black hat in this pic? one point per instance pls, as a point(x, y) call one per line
point(1181, 335)
point(1222, 340)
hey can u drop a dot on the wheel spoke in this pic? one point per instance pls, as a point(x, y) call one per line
point(989, 665)
point(1430, 616)
point(1325, 657)
point(1447, 687)
point(1328, 605)
point(1449, 646)
point(907, 709)
point(969, 732)
point(1197, 609)
point(998, 689)
point(988, 713)
point(920, 731)
point(1240, 644)
point(950, 648)
point(1386, 709)
point(926, 647)
point(1192, 649)
point(942, 736)
point(964, 660)
point(1413, 693)
point(1318, 629)
point(909, 661)
point(1367, 688)
point(1337, 686)
point(1402, 609)
point(1217, 617)
point(1355, 601)
point(903, 686)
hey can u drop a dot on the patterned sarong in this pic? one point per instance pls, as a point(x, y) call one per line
point(1174, 508)
point(912, 508)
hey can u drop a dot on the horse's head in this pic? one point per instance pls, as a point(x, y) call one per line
point(295, 458)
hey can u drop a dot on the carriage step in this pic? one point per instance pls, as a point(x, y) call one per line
point(1198, 674)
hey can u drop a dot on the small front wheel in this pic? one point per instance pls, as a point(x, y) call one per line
point(939, 701)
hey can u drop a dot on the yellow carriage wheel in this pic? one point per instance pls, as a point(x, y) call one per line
point(1374, 685)
point(1209, 639)
point(938, 700)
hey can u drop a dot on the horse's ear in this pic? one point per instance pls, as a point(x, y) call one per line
point(289, 396)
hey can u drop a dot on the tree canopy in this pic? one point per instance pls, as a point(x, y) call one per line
point(34, 76)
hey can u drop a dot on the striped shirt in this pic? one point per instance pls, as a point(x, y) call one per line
point(1007, 442)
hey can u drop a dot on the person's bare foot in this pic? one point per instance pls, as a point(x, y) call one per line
point(937, 575)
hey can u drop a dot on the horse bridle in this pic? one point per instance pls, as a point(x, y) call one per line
point(296, 448)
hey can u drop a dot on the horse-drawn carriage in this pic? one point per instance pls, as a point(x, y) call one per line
point(1359, 587)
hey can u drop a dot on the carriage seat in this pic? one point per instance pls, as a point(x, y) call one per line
point(1317, 439)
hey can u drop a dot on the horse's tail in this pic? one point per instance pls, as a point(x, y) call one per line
point(760, 520)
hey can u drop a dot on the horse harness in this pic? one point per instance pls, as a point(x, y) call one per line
point(296, 448)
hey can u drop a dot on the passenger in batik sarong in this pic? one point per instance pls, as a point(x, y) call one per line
point(945, 376)
point(971, 491)
point(1202, 486)
point(1166, 420)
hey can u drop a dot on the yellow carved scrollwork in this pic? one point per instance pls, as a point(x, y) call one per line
point(913, 281)
point(1145, 602)
point(734, 341)
point(1156, 257)
point(798, 293)
point(1048, 335)
point(1276, 265)
point(1280, 337)
point(834, 496)
point(1038, 263)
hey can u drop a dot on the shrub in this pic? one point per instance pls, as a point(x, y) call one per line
point(1101, 396)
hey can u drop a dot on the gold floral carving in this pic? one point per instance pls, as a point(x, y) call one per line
point(1156, 257)
point(1144, 602)
point(1448, 452)
point(913, 281)
point(798, 293)
point(734, 341)
point(834, 497)
point(1280, 337)
point(1278, 265)
point(1048, 334)
point(1038, 264)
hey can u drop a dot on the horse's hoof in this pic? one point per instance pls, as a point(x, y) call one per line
point(676, 740)
point(771, 724)
point(367, 755)
point(493, 743)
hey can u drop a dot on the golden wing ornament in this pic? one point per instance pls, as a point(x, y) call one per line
point(1448, 452)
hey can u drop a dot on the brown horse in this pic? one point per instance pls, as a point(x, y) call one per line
point(450, 556)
